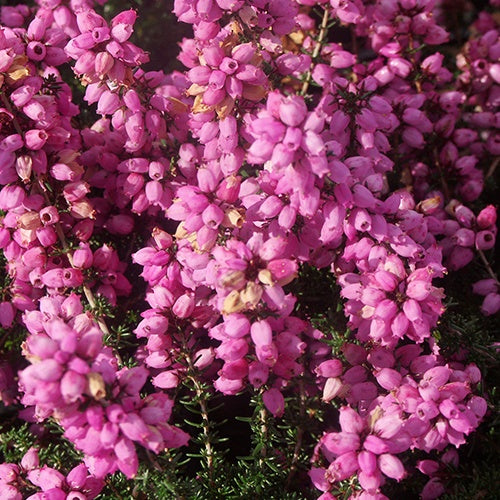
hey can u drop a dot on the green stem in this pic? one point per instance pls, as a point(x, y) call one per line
point(322, 33)
point(86, 290)
point(446, 190)
point(492, 168)
point(488, 267)
point(300, 436)
point(201, 397)
point(263, 431)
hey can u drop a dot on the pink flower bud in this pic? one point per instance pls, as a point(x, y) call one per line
point(292, 110)
point(127, 460)
point(354, 354)
point(464, 237)
point(229, 65)
point(391, 466)
point(388, 378)
point(212, 97)
point(73, 386)
point(166, 380)
point(487, 217)
point(274, 402)
point(103, 63)
point(235, 370)
point(320, 481)
point(350, 420)
point(83, 230)
point(122, 25)
point(7, 314)
point(30, 460)
point(367, 462)
point(329, 368)
point(258, 373)
point(460, 257)
point(184, 306)
point(53, 278)
point(212, 216)
point(375, 445)
point(433, 489)
point(413, 137)
point(491, 304)
point(203, 358)
point(243, 53)
point(344, 466)
point(12, 143)
point(463, 214)
point(49, 215)
point(229, 188)
point(433, 63)
point(72, 277)
point(46, 236)
point(232, 349)
point(485, 240)
point(261, 333)
point(333, 387)
point(342, 59)
point(77, 476)
point(82, 256)
point(108, 103)
point(36, 51)
point(478, 405)
point(338, 443)
point(267, 354)
point(11, 197)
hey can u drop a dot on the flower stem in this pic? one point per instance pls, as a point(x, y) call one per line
point(201, 395)
point(263, 435)
point(300, 436)
point(488, 267)
point(492, 168)
point(319, 42)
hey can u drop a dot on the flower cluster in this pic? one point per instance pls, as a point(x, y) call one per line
point(48, 482)
point(423, 405)
point(276, 149)
point(75, 379)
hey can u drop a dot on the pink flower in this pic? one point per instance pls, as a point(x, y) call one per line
point(338, 443)
point(274, 402)
point(391, 466)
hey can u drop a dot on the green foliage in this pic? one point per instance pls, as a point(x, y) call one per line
point(54, 450)
point(156, 27)
point(475, 480)
point(319, 301)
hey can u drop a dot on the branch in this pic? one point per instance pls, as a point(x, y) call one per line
point(492, 168)
point(300, 436)
point(488, 267)
point(263, 430)
point(86, 290)
point(322, 33)
point(200, 394)
point(446, 189)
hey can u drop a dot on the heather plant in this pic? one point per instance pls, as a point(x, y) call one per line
point(261, 263)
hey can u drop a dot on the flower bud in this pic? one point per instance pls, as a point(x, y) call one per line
point(487, 217)
point(485, 240)
point(274, 402)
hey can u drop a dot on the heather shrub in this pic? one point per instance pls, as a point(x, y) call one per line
point(248, 249)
